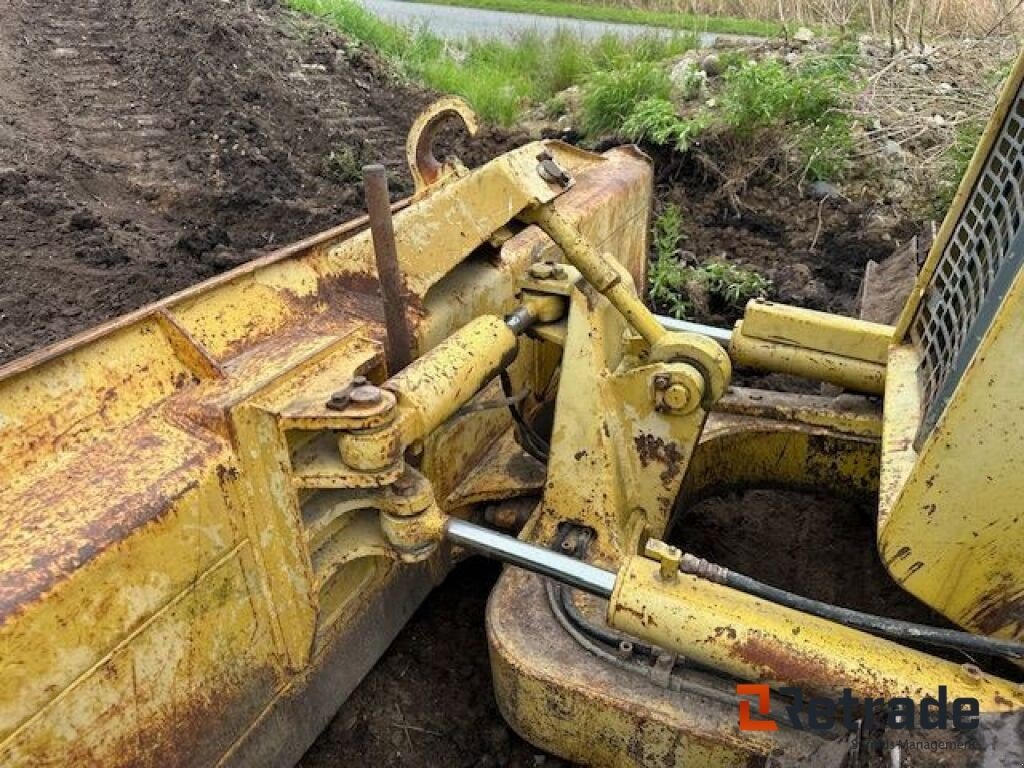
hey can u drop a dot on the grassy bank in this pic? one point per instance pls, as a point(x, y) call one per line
point(796, 120)
point(680, 20)
point(500, 79)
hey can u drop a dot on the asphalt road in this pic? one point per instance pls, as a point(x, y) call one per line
point(460, 23)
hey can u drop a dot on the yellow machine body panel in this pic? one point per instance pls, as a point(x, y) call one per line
point(951, 525)
point(941, 450)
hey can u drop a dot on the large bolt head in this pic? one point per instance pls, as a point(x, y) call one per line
point(542, 270)
point(367, 394)
point(678, 391)
point(676, 397)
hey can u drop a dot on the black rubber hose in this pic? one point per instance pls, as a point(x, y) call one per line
point(596, 631)
point(878, 625)
point(531, 442)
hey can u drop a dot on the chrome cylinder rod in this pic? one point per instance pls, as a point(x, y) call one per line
point(530, 557)
point(722, 335)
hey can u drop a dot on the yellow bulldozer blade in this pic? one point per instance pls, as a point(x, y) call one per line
point(183, 581)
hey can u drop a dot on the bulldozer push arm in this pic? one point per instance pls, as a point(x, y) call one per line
point(221, 508)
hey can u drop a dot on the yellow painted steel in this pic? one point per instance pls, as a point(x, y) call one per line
point(840, 350)
point(818, 331)
point(193, 535)
point(852, 415)
point(546, 684)
point(760, 641)
point(597, 271)
point(950, 526)
point(431, 389)
point(426, 169)
point(856, 375)
point(185, 555)
point(594, 713)
point(614, 427)
point(795, 441)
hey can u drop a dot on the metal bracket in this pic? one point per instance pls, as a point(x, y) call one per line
point(425, 168)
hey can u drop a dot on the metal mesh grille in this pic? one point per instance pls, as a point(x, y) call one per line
point(975, 269)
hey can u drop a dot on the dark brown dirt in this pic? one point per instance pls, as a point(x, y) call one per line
point(815, 545)
point(429, 701)
point(813, 251)
point(147, 145)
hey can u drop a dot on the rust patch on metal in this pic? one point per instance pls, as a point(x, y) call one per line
point(41, 553)
point(779, 662)
point(726, 631)
point(1001, 609)
point(652, 449)
point(226, 700)
point(526, 469)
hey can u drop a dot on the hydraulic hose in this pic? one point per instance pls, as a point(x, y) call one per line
point(877, 625)
point(597, 581)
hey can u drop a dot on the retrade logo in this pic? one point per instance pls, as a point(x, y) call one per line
point(764, 706)
point(821, 713)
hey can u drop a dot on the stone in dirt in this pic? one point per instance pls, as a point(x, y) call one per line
point(803, 35)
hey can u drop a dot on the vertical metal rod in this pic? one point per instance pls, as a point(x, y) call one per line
point(378, 205)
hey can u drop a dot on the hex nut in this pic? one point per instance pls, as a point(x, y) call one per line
point(676, 397)
point(542, 270)
point(366, 394)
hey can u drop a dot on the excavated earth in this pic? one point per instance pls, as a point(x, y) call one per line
point(146, 145)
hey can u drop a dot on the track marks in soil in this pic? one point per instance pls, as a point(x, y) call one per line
point(147, 145)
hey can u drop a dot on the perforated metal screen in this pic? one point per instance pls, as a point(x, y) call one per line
point(974, 272)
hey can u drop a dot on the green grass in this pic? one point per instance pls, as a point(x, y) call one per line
point(625, 84)
point(571, 10)
point(499, 79)
point(764, 103)
point(655, 120)
point(768, 95)
point(762, 94)
point(955, 164)
point(732, 285)
point(666, 277)
point(669, 282)
point(611, 97)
